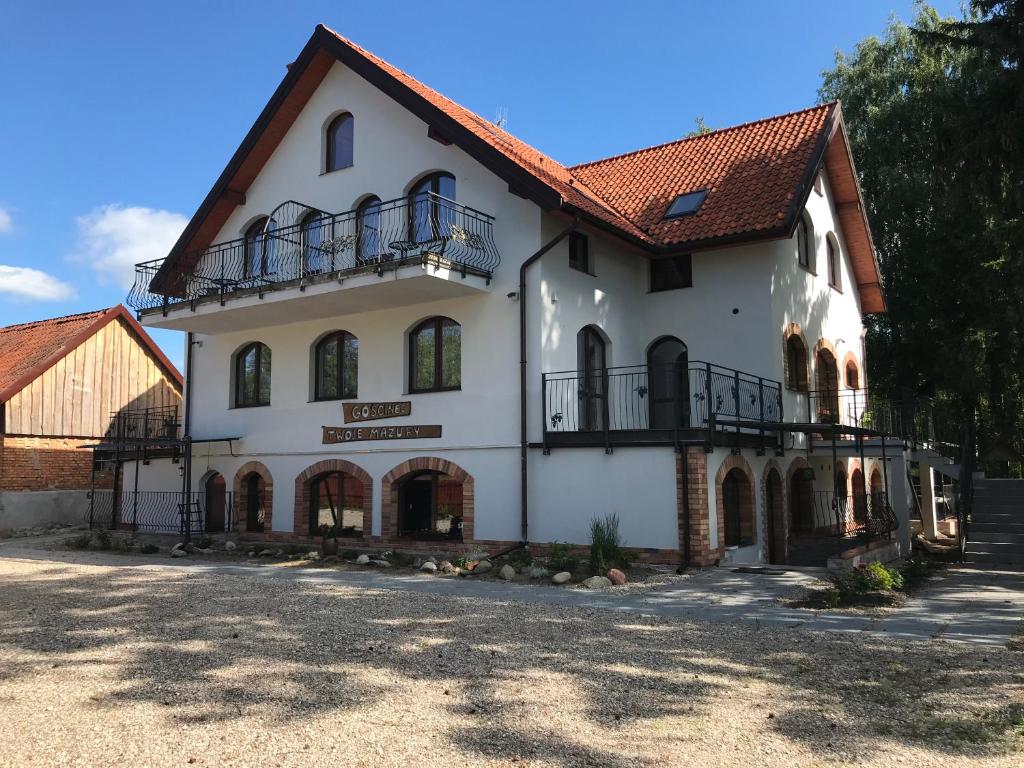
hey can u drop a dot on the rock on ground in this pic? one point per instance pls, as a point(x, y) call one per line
point(597, 582)
point(429, 567)
point(484, 566)
point(562, 577)
point(616, 577)
point(363, 559)
point(507, 572)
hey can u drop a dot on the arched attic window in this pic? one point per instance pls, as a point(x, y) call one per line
point(338, 141)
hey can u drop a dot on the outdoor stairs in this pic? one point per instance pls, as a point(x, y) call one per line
point(995, 536)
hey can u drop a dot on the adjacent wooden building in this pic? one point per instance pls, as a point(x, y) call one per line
point(62, 382)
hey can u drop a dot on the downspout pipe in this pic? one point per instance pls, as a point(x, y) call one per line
point(523, 446)
point(186, 476)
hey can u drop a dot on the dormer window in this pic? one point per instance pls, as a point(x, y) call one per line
point(686, 204)
point(339, 143)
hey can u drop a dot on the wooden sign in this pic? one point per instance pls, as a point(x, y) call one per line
point(355, 412)
point(361, 434)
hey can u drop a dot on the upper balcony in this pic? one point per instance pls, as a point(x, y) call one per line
point(431, 247)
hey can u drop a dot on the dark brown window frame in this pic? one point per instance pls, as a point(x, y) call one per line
point(437, 323)
point(434, 180)
point(361, 213)
point(578, 240)
point(805, 255)
point(835, 274)
point(671, 260)
point(330, 151)
point(341, 336)
point(797, 379)
point(239, 378)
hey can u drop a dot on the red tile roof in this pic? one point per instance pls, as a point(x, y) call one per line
point(29, 349)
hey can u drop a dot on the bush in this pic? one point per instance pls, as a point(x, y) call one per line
point(520, 558)
point(873, 577)
point(123, 544)
point(81, 541)
point(149, 549)
point(562, 558)
point(606, 545)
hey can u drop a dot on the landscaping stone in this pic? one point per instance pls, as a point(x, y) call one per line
point(484, 566)
point(447, 567)
point(507, 572)
point(616, 577)
point(363, 559)
point(313, 555)
point(562, 577)
point(380, 563)
point(267, 553)
point(178, 551)
point(597, 582)
point(230, 546)
point(432, 559)
point(429, 567)
point(252, 553)
point(538, 572)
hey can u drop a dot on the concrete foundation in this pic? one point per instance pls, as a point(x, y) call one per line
point(27, 509)
point(879, 551)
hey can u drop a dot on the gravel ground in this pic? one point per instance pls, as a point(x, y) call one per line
point(123, 666)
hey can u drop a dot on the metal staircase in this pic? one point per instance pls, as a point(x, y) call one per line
point(995, 536)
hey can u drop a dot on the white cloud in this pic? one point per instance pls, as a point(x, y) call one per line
point(112, 239)
point(33, 285)
point(6, 225)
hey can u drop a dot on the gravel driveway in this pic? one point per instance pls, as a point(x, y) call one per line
point(126, 666)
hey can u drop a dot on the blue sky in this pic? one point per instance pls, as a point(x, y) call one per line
point(117, 117)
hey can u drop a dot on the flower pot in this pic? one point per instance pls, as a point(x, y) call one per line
point(329, 547)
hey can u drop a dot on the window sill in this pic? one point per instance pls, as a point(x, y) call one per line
point(237, 407)
point(333, 399)
point(836, 288)
point(407, 393)
point(666, 290)
point(582, 271)
point(335, 170)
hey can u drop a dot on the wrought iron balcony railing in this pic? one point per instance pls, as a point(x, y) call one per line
point(644, 397)
point(144, 426)
point(301, 245)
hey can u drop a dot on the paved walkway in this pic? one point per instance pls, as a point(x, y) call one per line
point(965, 605)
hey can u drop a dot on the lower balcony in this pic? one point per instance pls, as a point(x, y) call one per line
point(310, 264)
point(660, 405)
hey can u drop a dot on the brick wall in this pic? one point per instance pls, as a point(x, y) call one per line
point(696, 486)
point(44, 463)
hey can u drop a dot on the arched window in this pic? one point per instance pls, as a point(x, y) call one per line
point(368, 248)
point(312, 236)
point(435, 355)
point(336, 501)
point(796, 364)
point(827, 385)
point(852, 375)
point(337, 366)
point(259, 248)
point(835, 277)
point(339, 142)
point(668, 384)
point(805, 244)
point(430, 211)
point(252, 375)
point(592, 370)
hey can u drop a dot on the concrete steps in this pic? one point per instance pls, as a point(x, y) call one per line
point(995, 538)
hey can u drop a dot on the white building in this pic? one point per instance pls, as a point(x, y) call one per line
point(678, 303)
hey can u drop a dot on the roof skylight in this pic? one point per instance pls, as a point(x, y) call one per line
point(686, 204)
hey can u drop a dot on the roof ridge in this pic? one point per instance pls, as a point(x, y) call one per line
point(55, 320)
point(685, 139)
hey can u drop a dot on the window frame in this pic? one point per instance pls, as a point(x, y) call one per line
point(434, 214)
point(342, 336)
point(362, 210)
point(796, 373)
point(330, 142)
point(578, 240)
point(240, 356)
point(671, 260)
point(257, 236)
point(805, 237)
point(437, 324)
point(835, 273)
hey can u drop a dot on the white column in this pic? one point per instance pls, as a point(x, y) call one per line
point(900, 498)
point(931, 524)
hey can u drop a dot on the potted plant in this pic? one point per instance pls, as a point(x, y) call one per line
point(328, 540)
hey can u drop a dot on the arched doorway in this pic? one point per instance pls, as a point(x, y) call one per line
point(860, 499)
point(336, 501)
point(826, 382)
point(430, 506)
point(877, 490)
point(774, 521)
point(840, 500)
point(593, 378)
point(216, 497)
point(737, 508)
point(668, 384)
point(801, 501)
point(253, 489)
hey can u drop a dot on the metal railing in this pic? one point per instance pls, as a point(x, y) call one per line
point(158, 512)
point(642, 397)
point(159, 424)
point(302, 244)
point(823, 513)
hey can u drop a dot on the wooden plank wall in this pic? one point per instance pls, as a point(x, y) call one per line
point(110, 371)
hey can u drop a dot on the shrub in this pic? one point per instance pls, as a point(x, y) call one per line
point(606, 545)
point(203, 542)
point(349, 554)
point(123, 544)
point(520, 558)
point(149, 549)
point(81, 541)
point(873, 577)
point(561, 557)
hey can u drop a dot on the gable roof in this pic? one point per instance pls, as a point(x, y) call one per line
point(28, 350)
point(759, 174)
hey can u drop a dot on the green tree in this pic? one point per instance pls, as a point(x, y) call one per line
point(934, 117)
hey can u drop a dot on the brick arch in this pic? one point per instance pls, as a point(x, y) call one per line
point(748, 509)
point(849, 358)
point(238, 495)
point(389, 493)
point(300, 524)
point(791, 330)
point(780, 534)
